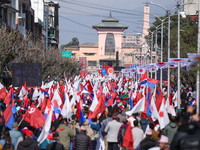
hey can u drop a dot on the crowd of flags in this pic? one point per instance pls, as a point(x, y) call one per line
point(103, 90)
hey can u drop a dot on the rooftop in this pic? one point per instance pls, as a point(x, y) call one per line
point(110, 22)
point(89, 44)
point(129, 45)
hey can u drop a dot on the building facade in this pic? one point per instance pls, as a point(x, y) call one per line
point(110, 43)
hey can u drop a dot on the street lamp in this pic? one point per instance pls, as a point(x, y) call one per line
point(168, 13)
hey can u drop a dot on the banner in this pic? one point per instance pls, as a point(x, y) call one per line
point(82, 65)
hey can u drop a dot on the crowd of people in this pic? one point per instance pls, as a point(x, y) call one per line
point(110, 129)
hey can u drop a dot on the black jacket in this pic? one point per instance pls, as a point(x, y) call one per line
point(186, 138)
point(81, 142)
point(28, 144)
point(147, 143)
point(55, 146)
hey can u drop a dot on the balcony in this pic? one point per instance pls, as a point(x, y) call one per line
point(22, 16)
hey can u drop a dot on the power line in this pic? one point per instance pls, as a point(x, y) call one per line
point(79, 32)
point(94, 7)
point(76, 22)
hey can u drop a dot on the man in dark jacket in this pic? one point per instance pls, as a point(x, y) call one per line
point(187, 136)
point(170, 129)
point(82, 141)
point(28, 143)
point(55, 145)
point(147, 142)
point(144, 122)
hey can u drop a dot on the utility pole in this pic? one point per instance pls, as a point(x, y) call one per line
point(161, 52)
point(168, 78)
point(198, 51)
point(178, 92)
point(46, 27)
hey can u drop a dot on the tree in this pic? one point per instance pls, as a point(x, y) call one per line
point(188, 43)
point(16, 48)
point(74, 42)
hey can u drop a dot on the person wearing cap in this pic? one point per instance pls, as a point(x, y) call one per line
point(66, 134)
point(89, 131)
point(55, 145)
point(15, 134)
point(82, 141)
point(164, 143)
point(147, 142)
point(28, 143)
point(112, 128)
point(144, 122)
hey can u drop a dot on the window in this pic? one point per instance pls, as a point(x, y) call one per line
point(20, 9)
point(89, 54)
point(92, 63)
point(110, 44)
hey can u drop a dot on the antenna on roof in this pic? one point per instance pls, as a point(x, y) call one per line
point(110, 14)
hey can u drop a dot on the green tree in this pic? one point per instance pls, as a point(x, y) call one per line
point(73, 42)
point(188, 43)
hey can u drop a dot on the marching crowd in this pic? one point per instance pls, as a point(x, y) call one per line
point(111, 129)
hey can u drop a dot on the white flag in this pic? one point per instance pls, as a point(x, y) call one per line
point(35, 94)
point(139, 107)
point(163, 118)
point(94, 103)
point(66, 110)
point(46, 128)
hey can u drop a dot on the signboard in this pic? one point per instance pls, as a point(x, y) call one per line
point(67, 54)
point(82, 65)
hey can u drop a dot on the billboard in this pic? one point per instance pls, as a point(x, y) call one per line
point(67, 54)
point(29, 72)
point(82, 65)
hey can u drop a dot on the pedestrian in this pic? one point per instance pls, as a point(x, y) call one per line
point(55, 145)
point(137, 133)
point(170, 129)
point(28, 143)
point(163, 143)
point(121, 134)
point(66, 134)
point(147, 142)
point(144, 122)
point(15, 134)
point(6, 141)
point(112, 129)
point(103, 126)
point(82, 141)
point(89, 131)
point(131, 119)
point(120, 116)
point(154, 133)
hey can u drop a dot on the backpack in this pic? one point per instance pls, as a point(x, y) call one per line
point(123, 132)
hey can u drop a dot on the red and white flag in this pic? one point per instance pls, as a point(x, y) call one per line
point(152, 69)
point(173, 65)
point(161, 65)
point(152, 65)
point(177, 60)
point(3, 92)
point(125, 70)
point(109, 70)
point(141, 70)
point(163, 118)
point(35, 117)
point(133, 70)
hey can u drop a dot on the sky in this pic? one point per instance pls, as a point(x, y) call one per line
point(76, 17)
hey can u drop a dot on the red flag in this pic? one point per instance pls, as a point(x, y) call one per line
point(25, 101)
point(144, 76)
point(89, 87)
point(34, 117)
point(100, 107)
point(8, 97)
point(7, 113)
point(128, 138)
point(110, 101)
point(3, 92)
point(99, 94)
point(78, 111)
point(159, 100)
point(44, 104)
point(109, 69)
